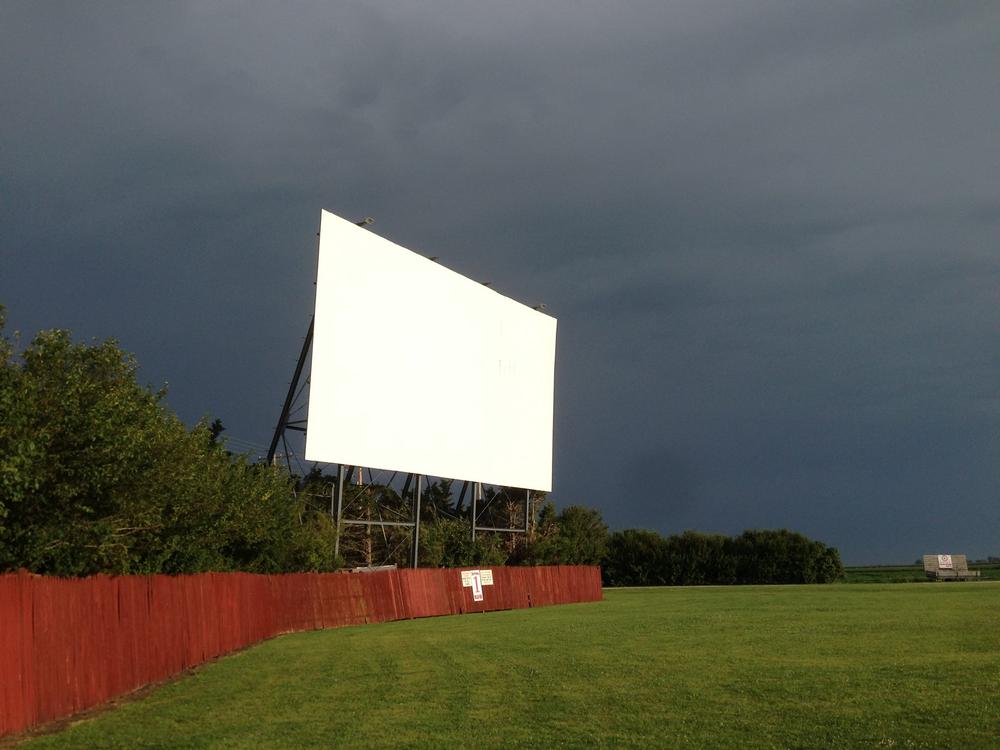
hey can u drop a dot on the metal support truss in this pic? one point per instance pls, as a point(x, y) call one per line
point(337, 509)
point(293, 391)
point(477, 496)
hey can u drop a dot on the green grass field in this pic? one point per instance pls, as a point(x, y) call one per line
point(909, 573)
point(906, 666)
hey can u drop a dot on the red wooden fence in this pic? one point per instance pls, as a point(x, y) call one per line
point(70, 644)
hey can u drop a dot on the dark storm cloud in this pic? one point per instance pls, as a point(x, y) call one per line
point(769, 231)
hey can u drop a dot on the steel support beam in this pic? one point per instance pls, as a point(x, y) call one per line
point(416, 521)
point(477, 495)
point(293, 387)
point(359, 522)
point(339, 498)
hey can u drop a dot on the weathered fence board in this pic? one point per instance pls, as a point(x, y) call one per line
point(70, 644)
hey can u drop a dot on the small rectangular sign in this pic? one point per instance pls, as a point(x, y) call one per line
point(945, 563)
point(476, 579)
point(477, 587)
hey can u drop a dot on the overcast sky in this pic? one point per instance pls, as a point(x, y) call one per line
point(769, 231)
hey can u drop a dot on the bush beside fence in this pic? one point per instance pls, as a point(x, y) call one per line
point(71, 644)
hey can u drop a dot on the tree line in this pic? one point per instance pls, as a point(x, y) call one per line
point(98, 475)
point(645, 558)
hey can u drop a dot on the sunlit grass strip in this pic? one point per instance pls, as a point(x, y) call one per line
point(905, 665)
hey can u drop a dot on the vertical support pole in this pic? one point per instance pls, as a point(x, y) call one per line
point(340, 507)
point(416, 522)
point(527, 509)
point(477, 491)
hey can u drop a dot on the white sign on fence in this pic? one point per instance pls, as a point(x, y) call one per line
point(476, 579)
point(945, 563)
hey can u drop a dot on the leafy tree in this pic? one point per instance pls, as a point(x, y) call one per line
point(578, 536)
point(828, 566)
point(97, 475)
point(782, 556)
point(644, 558)
point(447, 543)
point(693, 558)
point(436, 500)
point(215, 429)
point(635, 557)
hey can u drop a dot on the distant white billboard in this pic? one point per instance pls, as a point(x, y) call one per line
point(419, 369)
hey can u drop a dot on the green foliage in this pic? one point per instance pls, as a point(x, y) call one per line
point(97, 475)
point(635, 557)
point(782, 556)
point(447, 543)
point(436, 500)
point(576, 536)
point(644, 558)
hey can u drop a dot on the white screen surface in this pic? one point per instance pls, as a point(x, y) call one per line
point(418, 369)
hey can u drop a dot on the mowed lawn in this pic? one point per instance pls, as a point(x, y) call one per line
point(910, 573)
point(903, 665)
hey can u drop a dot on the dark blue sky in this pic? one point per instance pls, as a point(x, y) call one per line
point(769, 231)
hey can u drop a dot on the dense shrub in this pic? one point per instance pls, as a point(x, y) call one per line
point(644, 558)
point(635, 557)
point(97, 475)
point(447, 543)
point(575, 536)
